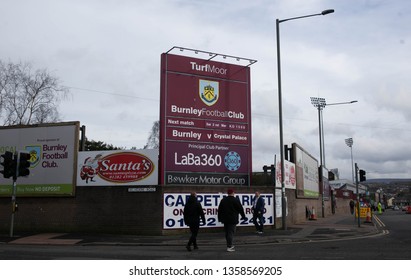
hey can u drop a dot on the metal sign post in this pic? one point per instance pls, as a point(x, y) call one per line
point(358, 194)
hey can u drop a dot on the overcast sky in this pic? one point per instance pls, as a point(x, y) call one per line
point(108, 53)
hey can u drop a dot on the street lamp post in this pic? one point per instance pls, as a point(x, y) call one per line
point(280, 110)
point(349, 142)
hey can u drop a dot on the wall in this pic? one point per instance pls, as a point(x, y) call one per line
point(297, 208)
point(93, 209)
point(116, 210)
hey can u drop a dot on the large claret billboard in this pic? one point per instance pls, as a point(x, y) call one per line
point(205, 122)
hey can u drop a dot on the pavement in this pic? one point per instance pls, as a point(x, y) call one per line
point(333, 227)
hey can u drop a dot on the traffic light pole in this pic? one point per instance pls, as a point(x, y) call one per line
point(13, 206)
point(14, 194)
point(15, 165)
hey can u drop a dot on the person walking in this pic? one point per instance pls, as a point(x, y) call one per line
point(228, 210)
point(258, 212)
point(193, 212)
point(352, 204)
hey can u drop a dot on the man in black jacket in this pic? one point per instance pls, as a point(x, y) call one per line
point(228, 210)
point(193, 211)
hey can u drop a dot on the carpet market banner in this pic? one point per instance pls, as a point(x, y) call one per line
point(174, 203)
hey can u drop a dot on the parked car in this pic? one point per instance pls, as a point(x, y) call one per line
point(408, 211)
point(396, 208)
point(404, 208)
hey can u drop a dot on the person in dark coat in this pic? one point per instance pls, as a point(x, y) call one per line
point(193, 212)
point(228, 210)
point(258, 212)
point(352, 204)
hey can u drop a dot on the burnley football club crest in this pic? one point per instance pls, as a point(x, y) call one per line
point(209, 92)
point(35, 154)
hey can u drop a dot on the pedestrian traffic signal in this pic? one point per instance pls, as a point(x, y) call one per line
point(24, 164)
point(9, 164)
point(362, 175)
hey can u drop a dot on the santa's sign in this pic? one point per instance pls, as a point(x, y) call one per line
point(107, 168)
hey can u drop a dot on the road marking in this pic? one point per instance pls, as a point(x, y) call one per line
point(380, 223)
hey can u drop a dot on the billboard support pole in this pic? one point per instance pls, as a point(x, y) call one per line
point(83, 138)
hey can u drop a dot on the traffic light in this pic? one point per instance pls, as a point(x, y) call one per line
point(24, 164)
point(9, 164)
point(272, 169)
point(362, 175)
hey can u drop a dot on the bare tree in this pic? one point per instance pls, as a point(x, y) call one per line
point(154, 137)
point(29, 96)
